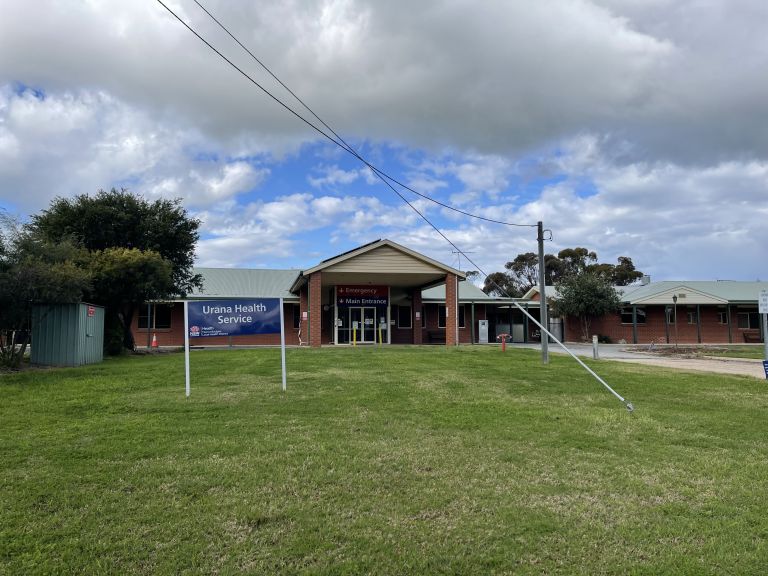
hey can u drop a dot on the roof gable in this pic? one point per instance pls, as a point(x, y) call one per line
point(384, 256)
point(685, 295)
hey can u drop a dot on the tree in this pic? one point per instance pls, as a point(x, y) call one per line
point(123, 278)
point(157, 249)
point(585, 296)
point(33, 272)
point(123, 220)
point(522, 273)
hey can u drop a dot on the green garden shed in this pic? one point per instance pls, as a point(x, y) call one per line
point(67, 334)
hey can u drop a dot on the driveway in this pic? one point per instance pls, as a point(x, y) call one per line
point(640, 355)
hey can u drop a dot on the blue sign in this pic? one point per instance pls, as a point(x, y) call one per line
point(234, 317)
point(765, 367)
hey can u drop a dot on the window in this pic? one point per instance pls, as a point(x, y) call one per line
point(722, 317)
point(626, 315)
point(670, 315)
point(404, 317)
point(749, 320)
point(693, 316)
point(441, 316)
point(160, 318)
point(297, 316)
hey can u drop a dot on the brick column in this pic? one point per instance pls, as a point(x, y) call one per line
point(451, 310)
point(416, 322)
point(315, 310)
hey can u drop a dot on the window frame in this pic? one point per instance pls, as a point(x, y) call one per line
point(462, 316)
point(410, 317)
point(749, 316)
point(641, 316)
point(157, 323)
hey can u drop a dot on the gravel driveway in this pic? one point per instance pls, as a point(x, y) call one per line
point(639, 355)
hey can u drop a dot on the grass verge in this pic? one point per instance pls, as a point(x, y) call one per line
point(395, 460)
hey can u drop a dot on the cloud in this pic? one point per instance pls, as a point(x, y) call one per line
point(333, 176)
point(629, 126)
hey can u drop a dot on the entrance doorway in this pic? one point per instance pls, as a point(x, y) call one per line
point(361, 325)
point(365, 320)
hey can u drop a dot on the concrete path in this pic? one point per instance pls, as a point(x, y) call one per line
point(622, 353)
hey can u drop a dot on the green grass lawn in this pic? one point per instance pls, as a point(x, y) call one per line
point(383, 461)
point(737, 351)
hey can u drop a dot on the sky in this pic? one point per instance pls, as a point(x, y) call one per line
point(630, 127)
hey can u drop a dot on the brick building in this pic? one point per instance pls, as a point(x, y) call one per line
point(379, 293)
point(689, 312)
point(385, 293)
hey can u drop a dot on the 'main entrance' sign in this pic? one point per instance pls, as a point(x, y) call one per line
point(362, 296)
point(234, 317)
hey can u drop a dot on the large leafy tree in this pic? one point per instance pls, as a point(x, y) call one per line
point(585, 296)
point(138, 250)
point(119, 219)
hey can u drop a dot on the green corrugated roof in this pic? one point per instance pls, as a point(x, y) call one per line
point(245, 283)
point(265, 283)
point(730, 290)
point(467, 291)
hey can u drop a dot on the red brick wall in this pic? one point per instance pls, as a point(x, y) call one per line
point(174, 336)
point(712, 332)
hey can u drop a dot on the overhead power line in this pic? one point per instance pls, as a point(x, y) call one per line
point(384, 177)
point(333, 136)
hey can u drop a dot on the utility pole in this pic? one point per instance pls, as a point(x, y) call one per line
point(543, 316)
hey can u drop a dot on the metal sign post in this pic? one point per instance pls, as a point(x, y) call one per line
point(210, 318)
point(763, 310)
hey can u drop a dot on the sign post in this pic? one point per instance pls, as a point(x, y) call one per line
point(763, 309)
point(210, 318)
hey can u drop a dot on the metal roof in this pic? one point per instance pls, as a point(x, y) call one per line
point(245, 283)
point(266, 283)
point(705, 291)
point(467, 291)
point(728, 290)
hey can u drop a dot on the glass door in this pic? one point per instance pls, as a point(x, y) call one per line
point(369, 326)
point(356, 324)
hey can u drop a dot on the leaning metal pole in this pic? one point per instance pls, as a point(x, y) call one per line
point(543, 299)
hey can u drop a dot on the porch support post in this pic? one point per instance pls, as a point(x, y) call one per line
point(698, 322)
point(451, 310)
point(416, 322)
point(525, 324)
point(315, 310)
point(473, 323)
point(730, 328)
point(634, 324)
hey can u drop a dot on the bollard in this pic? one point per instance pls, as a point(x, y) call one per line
point(503, 338)
point(595, 354)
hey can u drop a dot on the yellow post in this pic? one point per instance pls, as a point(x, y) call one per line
point(354, 336)
point(380, 339)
